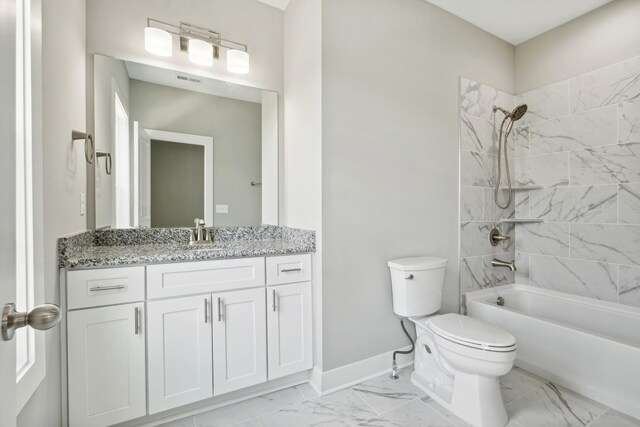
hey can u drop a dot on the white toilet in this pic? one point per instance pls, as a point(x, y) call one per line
point(458, 358)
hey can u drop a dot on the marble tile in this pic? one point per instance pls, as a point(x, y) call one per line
point(606, 165)
point(477, 99)
point(613, 418)
point(606, 243)
point(472, 274)
point(543, 239)
point(476, 134)
point(522, 268)
point(520, 141)
point(610, 85)
point(383, 393)
point(497, 276)
point(451, 418)
point(629, 121)
point(477, 169)
point(553, 406)
point(183, 422)
point(586, 278)
point(521, 200)
point(551, 170)
point(412, 414)
point(518, 383)
point(249, 423)
point(307, 391)
point(629, 285)
point(474, 239)
point(471, 208)
point(251, 408)
point(546, 102)
point(629, 204)
point(491, 211)
point(343, 408)
point(597, 204)
point(583, 130)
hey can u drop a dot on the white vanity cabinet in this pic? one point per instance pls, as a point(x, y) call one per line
point(179, 358)
point(106, 349)
point(145, 339)
point(239, 340)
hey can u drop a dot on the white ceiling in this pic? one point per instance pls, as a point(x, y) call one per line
point(165, 77)
point(517, 21)
point(514, 21)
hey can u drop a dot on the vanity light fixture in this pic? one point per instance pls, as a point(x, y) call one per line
point(202, 45)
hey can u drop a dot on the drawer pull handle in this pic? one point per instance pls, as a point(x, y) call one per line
point(219, 310)
point(106, 288)
point(273, 305)
point(137, 320)
point(206, 310)
point(290, 270)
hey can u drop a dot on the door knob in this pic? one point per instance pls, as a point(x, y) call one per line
point(43, 317)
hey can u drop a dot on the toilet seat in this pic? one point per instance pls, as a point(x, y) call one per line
point(470, 332)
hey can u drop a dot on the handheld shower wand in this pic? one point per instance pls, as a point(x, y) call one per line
point(512, 116)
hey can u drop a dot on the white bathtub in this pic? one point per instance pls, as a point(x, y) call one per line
point(589, 346)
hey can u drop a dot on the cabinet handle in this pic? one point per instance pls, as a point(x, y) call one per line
point(137, 325)
point(289, 270)
point(106, 288)
point(206, 310)
point(219, 310)
point(273, 295)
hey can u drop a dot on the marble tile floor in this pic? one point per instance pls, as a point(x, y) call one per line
point(382, 402)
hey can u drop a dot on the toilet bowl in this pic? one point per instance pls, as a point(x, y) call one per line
point(458, 359)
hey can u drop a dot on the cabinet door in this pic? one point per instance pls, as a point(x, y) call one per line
point(289, 329)
point(179, 352)
point(239, 340)
point(106, 365)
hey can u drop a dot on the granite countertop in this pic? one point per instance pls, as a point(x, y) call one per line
point(108, 248)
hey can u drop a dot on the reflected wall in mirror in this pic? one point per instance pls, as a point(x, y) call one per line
point(173, 147)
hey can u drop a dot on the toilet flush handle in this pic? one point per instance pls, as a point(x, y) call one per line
point(409, 277)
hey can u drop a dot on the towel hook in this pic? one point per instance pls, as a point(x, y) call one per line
point(88, 141)
point(108, 164)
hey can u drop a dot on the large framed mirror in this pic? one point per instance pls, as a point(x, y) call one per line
point(172, 147)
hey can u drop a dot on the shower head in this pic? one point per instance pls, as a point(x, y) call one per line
point(518, 112)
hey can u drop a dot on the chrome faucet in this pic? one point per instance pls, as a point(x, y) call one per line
point(200, 235)
point(499, 263)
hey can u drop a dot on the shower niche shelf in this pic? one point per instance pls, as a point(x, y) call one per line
point(523, 187)
point(521, 220)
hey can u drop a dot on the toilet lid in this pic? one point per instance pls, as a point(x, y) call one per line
point(472, 332)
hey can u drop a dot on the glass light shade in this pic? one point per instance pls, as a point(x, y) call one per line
point(157, 41)
point(200, 52)
point(237, 61)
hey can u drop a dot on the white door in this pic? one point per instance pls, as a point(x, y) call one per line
point(141, 176)
point(289, 329)
point(7, 210)
point(179, 352)
point(239, 340)
point(106, 365)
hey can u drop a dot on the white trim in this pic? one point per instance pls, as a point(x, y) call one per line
point(349, 375)
point(207, 143)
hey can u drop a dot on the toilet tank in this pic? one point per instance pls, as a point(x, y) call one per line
point(417, 284)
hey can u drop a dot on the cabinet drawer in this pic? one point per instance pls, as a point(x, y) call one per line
point(288, 269)
point(105, 286)
point(168, 280)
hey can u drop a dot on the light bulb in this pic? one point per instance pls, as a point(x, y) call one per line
point(237, 61)
point(200, 52)
point(157, 41)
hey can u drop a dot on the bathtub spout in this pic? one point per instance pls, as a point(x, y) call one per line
point(499, 263)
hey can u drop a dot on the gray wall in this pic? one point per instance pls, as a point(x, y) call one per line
point(64, 171)
point(236, 128)
point(607, 35)
point(390, 156)
point(177, 184)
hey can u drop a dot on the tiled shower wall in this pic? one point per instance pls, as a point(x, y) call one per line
point(579, 141)
point(583, 146)
point(478, 213)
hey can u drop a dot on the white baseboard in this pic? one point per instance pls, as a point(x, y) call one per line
point(349, 375)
